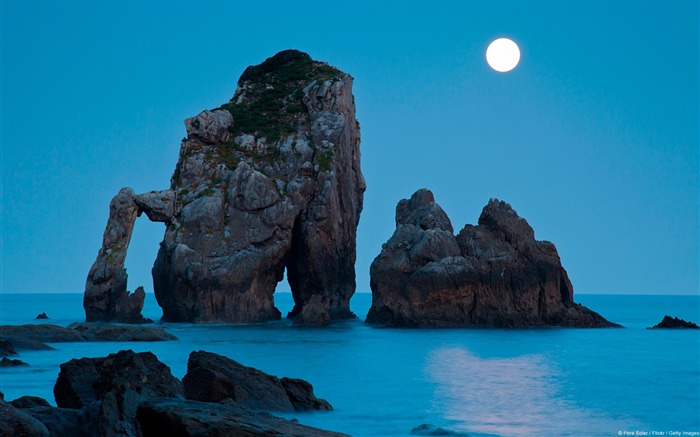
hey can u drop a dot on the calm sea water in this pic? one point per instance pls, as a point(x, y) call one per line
point(384, 382)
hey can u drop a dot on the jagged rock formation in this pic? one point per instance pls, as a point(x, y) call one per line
point(669, 322)
point(215, 378)
point(493, 274)
point(106, 297)
point(270, 180)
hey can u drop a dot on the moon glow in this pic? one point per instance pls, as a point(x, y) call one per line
point(503, 55)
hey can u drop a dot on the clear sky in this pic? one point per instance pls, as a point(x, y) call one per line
point(593, 138)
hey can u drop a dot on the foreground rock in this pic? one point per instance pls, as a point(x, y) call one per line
point(269, 181)
point(116, 385)
point(158, 417)
point(35, 337)
point(214, 378)
point(15, 423)
point(674, 323)
point(134, 394)
point(494, 274)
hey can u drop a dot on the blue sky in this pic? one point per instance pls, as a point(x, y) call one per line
point(593, 138)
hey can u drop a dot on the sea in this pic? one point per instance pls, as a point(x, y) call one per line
point(479, 382)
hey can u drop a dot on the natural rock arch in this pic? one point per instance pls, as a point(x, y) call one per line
point(106, 297)
point(270, 180)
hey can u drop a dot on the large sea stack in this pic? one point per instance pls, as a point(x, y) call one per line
point(493, 275)
point(268, 181)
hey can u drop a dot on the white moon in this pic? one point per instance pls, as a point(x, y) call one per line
point(503, 55)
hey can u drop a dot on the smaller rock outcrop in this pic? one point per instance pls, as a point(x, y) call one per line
point(158, 417)
point(95, 332)
point(432, 430)
point(7, 362)
point(42, 316)
point(106, 297)
point(35, 337)
point(6, 348)
point(494, 274)
point(215, 378)
point(669, 322)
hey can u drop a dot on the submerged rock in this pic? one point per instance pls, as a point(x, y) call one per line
point(493, 274)
point(215, 378)
point(432, 430)
point(95, 332)
point(158, 417)
point(35, 337)
point(674, 323)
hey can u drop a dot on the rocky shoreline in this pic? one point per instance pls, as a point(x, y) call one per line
point(134, 394)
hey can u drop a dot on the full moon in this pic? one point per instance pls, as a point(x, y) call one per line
point(503, 55)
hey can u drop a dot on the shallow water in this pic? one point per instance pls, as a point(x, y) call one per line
point(384, 382)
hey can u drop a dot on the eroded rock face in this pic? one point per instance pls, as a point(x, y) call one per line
point(215, 378)
point(270, 180)
point(106, 297)
point(669, 322)
point(493, 274)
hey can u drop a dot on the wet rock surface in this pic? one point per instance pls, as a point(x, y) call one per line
point(494, 274)
point(215, 378)
point(159, 417)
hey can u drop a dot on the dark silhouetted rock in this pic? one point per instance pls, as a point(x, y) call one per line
point(17, 423)
point(494, 274)
point(62, 422)
point(432, 430)
point(674, 323)
point(106, 297)
point(42, 316)
point(7, 362)
point(119, 383)
point(35, 337)
point(6, 348)
point(173, 417)
point(214, 378)
point(29, 402)
point(95, 332)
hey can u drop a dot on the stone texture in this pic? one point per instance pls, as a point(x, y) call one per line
point(215, 378)
point(271, 180)
point(172, 417)
point(6, 348)
point(16, 423)
point(106, 297)
point(118, 384)
point(495, 274)
point(669, 322)
point(94, 332)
